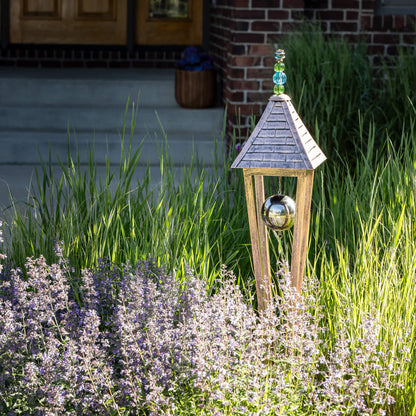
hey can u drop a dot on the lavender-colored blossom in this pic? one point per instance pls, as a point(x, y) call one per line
point(136, 340)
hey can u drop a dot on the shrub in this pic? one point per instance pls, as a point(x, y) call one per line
point(138, 342)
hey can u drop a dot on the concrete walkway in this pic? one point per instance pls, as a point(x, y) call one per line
point(39, 108)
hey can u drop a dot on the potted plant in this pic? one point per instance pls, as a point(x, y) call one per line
point(195, 79)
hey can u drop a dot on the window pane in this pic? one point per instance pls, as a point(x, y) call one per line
point(168, 9)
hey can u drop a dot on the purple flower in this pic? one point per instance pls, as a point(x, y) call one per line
point(195, 59)
point(139, 341)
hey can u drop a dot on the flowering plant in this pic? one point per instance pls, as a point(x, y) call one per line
point(136, 340)
point(195, 59)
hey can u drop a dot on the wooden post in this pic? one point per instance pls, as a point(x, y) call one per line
point(301, 231)
point(258, 236)
point(263, 237)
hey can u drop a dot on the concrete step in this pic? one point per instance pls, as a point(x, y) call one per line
point(40, 107)
point(29, 148)
point(108, 119)
point(97, 87)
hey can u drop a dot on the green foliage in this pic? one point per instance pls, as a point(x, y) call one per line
point(362, 228)
point(186, 222)
point(337, 92)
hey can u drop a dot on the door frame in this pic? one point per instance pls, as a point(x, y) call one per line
point(130, 27)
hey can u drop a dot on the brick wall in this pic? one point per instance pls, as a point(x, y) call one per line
point(241, 36)
point(87, 57)
point(242, 33)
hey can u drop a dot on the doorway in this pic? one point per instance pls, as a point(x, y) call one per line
point(106, 22)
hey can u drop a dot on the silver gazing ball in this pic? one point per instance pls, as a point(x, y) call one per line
point(278, 212)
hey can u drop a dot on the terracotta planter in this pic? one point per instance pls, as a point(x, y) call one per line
point(195, 89)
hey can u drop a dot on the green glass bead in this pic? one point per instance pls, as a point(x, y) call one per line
point(279, 67)
point(279, 89)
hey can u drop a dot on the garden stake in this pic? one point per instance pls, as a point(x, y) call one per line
point(281, 146)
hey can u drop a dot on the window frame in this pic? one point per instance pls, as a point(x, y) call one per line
point(395, 7)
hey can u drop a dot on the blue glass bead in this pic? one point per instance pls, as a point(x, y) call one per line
point(279, 78)
point(280, 54)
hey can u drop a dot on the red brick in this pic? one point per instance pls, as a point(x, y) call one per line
point(399, 22)
point(248, 14)
point(352, 15)
point(309, 14)
point(248, 110)
point(345, 4)
point(316, 4)
point(330, 14)
point(244, 61)
point(234, 96)
point(392, 50)
point(369, 5)
point(236, 73)
point(375, 49)
point(260, 73)
point(267, 85)
point(343, 26)
point(268, 62)
point(265, 4)
point(388, 22)
point(297, 14)
point(386, 38)
point(264, 26)
point(238, 3)
point(241, 37)
point(293, 4)
point(377, 22)
point(409, 39)
point(260, 50)
point(258, 97)
point(277, 14)
point(240, 26)
point(237, 49)
point(243, 85)
point(27, 63)
point(366, 22)
point(357, 38)
point(291, 26)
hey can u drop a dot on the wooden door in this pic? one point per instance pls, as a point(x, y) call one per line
point(68, 21)
point(169, 22)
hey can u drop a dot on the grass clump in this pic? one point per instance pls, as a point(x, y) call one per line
point(338, 93)
point(180, 221)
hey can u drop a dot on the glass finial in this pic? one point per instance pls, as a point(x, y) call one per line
point(279, 77)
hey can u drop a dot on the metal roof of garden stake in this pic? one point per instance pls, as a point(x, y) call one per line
point(280, 145)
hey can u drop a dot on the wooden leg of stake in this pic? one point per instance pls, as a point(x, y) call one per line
point(300, 233)
point(263, 240)
point(255, 241)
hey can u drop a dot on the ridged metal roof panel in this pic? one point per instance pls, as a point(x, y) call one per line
point(280, 140)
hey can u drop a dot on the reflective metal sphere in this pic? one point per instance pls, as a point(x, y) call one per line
point(278, 212)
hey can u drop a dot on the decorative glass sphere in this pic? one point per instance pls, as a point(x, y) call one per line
point(278, 212)
point(278, 89)
point(279, 78)
point(279, 67)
